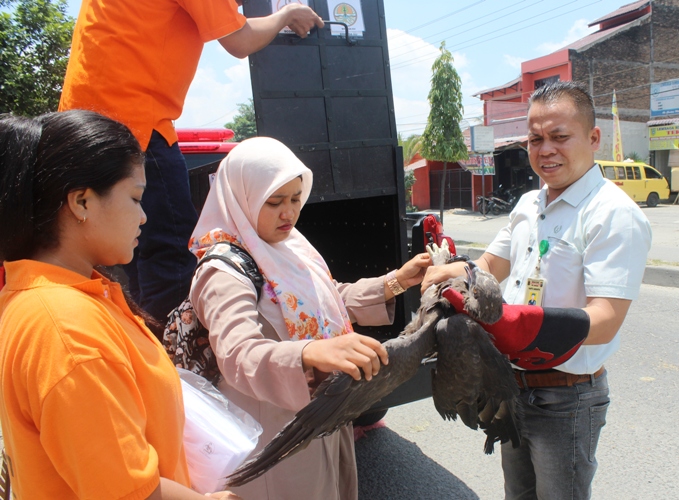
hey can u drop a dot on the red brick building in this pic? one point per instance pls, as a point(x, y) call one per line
point(634, 46)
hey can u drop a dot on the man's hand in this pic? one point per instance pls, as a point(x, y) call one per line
point(439, 274)
point(301, 19)
point(258, 32)
point(534, 338)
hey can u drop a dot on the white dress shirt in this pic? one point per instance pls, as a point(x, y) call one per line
point(598, 243)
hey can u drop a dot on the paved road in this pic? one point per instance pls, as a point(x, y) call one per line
point(421, 456)
point(471, 227)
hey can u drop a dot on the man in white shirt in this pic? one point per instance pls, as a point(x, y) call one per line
point(573, 255)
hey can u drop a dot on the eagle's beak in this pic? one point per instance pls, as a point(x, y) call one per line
point(470, 269)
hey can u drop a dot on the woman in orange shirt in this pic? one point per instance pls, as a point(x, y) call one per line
point(91, 406)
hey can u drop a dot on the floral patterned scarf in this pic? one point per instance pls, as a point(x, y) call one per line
point(297, 278)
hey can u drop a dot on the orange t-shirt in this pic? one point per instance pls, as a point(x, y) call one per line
point(133, 60)
point(91, 405)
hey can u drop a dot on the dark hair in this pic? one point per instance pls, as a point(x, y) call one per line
point(42, 159)
point(576, 92)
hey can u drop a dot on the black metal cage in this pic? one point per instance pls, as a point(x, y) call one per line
point(329, 99)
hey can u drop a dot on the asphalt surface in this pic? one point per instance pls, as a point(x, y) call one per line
point(472, 232)
point(419, 455)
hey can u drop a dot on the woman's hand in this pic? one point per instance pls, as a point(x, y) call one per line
point(412, 272)
point(350, 353)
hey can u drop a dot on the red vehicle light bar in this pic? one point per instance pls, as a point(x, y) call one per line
point(204, 134)
point(202, 147)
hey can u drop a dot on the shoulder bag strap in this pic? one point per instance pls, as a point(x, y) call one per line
point(238, 259)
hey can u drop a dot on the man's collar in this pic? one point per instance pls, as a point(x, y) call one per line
point(579, 190)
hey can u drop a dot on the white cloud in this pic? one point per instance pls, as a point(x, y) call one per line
point(473, 106)
point(576, 32)
point(411, 115)
point(222, 82)
point(411, 59)
point(216, 91)
point(513, 61)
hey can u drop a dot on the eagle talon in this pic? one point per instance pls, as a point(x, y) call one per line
point(439, 254)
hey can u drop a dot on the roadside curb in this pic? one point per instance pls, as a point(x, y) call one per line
point(667, 276)
point(662, 276)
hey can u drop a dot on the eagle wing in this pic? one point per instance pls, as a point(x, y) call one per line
point(474, 380)
point(340, 399)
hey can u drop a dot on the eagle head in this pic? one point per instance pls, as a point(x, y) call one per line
point(483, 296)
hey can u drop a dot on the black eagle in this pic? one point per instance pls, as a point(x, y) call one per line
point(471, 379)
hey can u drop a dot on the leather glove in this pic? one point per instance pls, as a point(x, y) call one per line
point(533, 337)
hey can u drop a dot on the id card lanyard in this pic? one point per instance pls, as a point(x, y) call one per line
point(535, 285)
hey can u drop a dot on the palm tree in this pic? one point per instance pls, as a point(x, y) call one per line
point(411, 147)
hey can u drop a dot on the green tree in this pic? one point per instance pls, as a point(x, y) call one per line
point(35, 40)
point(442, 138)
point(409, 182)
point(633, 155)
point(243, 123)
point(410, 146)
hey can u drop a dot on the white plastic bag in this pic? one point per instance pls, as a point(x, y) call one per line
point(218, 435)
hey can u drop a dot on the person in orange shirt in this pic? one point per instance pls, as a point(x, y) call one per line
point(133, 61)
point(90, 404)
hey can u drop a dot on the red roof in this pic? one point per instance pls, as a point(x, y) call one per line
point(508, 141)
point(600, 35)
point(625, 9)
point(501, 87)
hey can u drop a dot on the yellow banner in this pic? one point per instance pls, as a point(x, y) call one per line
point(666, 131)
point(664, 137)
point(617, 138)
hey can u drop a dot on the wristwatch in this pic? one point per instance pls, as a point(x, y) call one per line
point(393, 283)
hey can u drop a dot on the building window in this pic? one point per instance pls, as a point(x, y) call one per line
point(546, 81)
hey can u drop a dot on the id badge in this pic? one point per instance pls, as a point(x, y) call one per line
point(535, 288)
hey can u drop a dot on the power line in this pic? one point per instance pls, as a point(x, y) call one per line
point(441, 18)
point(635, 68)
point(403, 63)
point(462, 46)
point(534, 24)
point(512, 113)
point(467, 24)
point(219, 118)
point(606, 75)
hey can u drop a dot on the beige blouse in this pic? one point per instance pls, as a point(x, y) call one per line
point(262, 374)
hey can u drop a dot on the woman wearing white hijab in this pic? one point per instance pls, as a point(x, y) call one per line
point(273, 352)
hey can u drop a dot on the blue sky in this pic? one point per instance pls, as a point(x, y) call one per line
point(488, 38)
